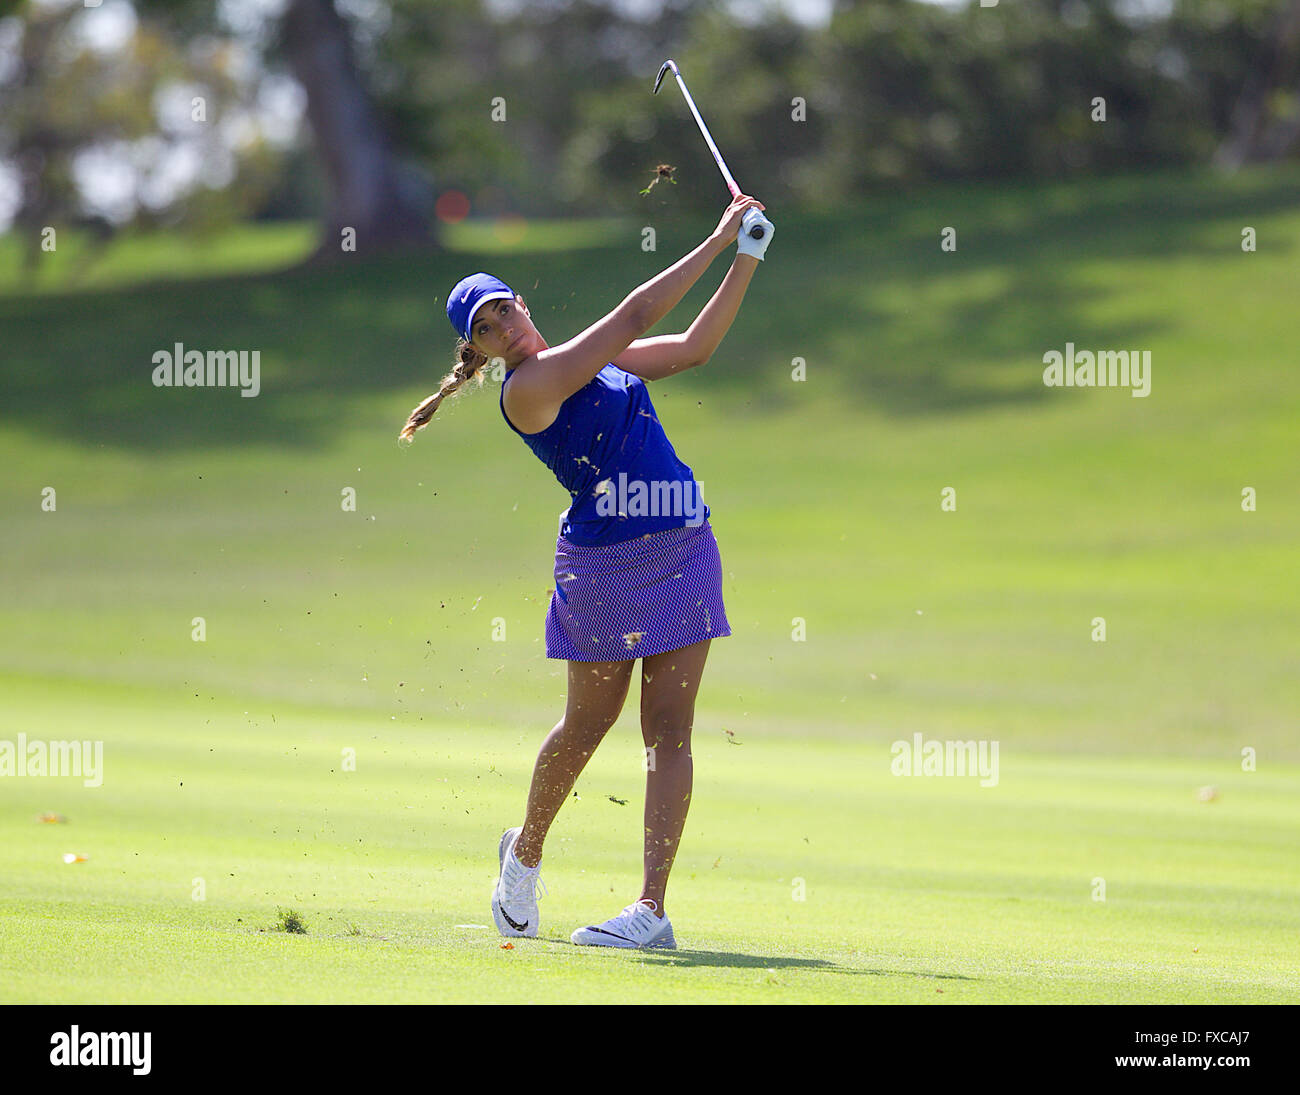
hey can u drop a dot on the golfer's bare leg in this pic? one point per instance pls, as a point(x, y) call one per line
point(596, 694)
point(669, 684)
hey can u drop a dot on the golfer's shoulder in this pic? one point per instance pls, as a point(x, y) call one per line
point(524, 380)
point(544, 376)
point(526, 399)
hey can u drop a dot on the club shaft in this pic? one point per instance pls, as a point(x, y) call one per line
point(708, 137)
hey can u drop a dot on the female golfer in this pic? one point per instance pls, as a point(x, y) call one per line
point(637, 570)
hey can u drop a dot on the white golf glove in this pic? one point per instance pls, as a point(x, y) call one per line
point(745, 243)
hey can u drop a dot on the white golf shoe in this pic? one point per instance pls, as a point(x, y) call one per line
point(636, 926)
point(514, 897)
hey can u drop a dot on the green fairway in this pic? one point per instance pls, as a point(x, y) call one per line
point(810, 873)
point(862, 614)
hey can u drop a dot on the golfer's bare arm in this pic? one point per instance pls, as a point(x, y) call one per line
point(539, 385)
point(667, 355)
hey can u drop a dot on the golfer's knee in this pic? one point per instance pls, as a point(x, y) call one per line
point(667, 730)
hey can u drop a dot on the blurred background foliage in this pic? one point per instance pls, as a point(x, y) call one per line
point(379, 114)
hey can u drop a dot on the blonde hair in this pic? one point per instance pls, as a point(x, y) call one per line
point(470, 364)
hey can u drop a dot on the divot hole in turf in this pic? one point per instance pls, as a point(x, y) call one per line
point(291, 921)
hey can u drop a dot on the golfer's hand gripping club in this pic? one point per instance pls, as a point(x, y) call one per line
point(754, 228)
point(755, 234)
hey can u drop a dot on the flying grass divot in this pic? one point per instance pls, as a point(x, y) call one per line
point(663, 173)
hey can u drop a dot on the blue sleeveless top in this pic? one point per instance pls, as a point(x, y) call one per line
point(608, 450)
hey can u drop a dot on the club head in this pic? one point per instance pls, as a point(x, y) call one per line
point(669, 64)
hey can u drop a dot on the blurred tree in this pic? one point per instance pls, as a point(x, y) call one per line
point(516, 103)
point(37, 147)
point(754, 83)
point(368, 189)
point(543, 107)
point(107, 134)
point(368, 192)
point(921, 91)
point(1265, 120)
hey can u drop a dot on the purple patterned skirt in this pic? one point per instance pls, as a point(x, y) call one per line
point(634, 599)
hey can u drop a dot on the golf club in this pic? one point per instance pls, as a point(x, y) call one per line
point(755, 231)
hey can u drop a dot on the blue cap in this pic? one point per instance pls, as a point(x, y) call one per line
point(470, 292)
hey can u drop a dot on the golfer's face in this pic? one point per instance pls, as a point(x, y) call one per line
point(502, 329)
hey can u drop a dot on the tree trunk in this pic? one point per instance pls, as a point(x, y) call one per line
point(368, 192)
point(1255, 134)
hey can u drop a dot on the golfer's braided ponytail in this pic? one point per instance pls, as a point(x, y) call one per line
point(470, 364)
